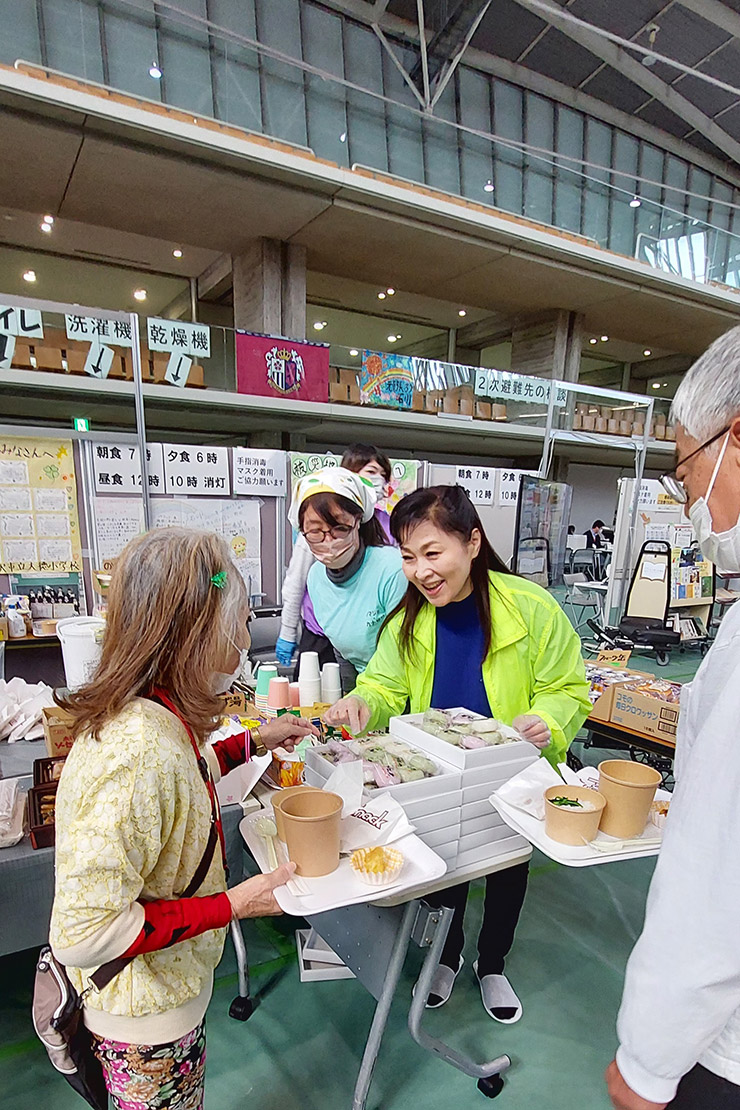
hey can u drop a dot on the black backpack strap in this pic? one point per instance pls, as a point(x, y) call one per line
point(202, 869)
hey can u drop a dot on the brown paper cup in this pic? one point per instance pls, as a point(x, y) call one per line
point(285, 793)
point(573, 826)
point(629, 789)
point(311, 824)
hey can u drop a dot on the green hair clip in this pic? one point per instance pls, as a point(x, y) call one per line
point(219, 580)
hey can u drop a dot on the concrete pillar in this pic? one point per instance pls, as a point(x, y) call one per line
point(269, 283)
point(548, 345)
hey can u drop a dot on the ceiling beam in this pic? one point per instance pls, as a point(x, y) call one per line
point(562, 94)
point(715, 12)
point(620, 60)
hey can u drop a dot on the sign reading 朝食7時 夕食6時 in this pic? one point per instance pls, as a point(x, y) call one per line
point(272, 367)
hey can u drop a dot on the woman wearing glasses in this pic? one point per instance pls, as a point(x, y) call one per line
point(357, 578)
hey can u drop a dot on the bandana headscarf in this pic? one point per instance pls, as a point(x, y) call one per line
point(338, 480)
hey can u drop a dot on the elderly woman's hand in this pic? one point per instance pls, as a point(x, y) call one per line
point(286, 732)
point(255, 898)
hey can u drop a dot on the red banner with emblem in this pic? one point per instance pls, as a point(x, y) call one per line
point(271, 367)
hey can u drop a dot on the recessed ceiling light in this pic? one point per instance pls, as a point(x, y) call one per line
point(665, 385)
point(647, 352)
point(46, 227)
point(392, 338)
point(390, 291)
point(343, 137)
point(381, 296)
point(139, 294)
point(488, 187)
point(656, 385)
point(177, 253)
point(635, 202)
point(319, 325)
point(593, 341)
point(461, 312)
point(605, 339)
point(354, 352)
point(48, 219)
point(29, 275)
point(155, 71)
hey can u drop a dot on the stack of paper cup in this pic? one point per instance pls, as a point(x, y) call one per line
point(264, 674)
point(278, 696)
point(331, 685)
point(309, 678)
point(295, 695)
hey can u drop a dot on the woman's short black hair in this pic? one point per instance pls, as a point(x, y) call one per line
point(358, 455)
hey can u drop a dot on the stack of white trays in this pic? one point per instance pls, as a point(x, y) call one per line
point(433, 805)
point(483, 835)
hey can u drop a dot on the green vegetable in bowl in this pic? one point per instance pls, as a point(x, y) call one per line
point(572, 802)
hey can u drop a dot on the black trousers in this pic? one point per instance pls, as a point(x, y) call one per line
point(703, 1090)
point(311, 641)
point(504, 898)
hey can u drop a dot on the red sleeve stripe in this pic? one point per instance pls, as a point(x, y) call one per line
point(168, 922)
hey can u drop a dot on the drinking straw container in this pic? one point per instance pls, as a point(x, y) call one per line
point(629, 789)
point(283, 795)
point(575, 825)
point(311, 822)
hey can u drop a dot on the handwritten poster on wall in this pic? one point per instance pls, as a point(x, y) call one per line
point(386, 379)
point(39, 522)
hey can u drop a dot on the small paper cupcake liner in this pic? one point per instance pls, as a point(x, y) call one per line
point(379, 878)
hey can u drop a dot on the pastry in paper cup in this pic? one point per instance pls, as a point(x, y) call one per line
point(377, 866)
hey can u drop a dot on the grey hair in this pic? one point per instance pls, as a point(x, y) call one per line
point(708, 398)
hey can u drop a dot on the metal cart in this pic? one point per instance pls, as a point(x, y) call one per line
point(373, 940)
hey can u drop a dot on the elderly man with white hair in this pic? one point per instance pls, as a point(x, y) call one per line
point(679, 1023)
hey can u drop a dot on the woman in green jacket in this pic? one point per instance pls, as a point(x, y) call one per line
point(468, 632)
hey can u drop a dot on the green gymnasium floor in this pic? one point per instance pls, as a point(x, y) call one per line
point(301, 1048)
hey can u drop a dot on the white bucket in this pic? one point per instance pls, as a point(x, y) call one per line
point(82, 646)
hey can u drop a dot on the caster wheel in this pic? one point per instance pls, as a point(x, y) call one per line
point(704, 649)
point(241, 1009)
point(661, 658)
point(492, 1086)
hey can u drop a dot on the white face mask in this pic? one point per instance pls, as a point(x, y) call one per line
point(221, 682)
point(721, 548)
point(378, 483)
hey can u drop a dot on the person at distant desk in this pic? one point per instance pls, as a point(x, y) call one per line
point(593, 535)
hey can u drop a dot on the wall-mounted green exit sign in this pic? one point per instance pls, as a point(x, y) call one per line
point(81, 424)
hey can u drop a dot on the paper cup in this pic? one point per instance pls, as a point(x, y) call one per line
point(264, 674)
point(295, 695)
point(285, 793)
point(311, 821)
point(331, 683)
point(309, 691)
point(567, 824)
point(278, 696)
point(629, 789)
point(308, 667)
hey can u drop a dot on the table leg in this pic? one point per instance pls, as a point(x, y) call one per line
point(242, 1006)
point(380, 1018)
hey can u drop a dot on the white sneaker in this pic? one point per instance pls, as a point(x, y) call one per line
point(499, 998)
point(443, 981)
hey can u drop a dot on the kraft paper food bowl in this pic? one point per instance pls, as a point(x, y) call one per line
point(629, 789)
point(571, 825)
point(311, 821)
point(285, 793)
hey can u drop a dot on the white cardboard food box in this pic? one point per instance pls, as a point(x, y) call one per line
point(409, 728)
point(467, 857)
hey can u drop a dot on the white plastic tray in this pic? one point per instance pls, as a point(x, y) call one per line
point(343, 887)
point(534, 830)
point(409, 728)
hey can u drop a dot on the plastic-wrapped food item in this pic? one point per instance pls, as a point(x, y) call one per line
point(465, 730)
point(601, 678)
point(658, 688)
point(386, 761)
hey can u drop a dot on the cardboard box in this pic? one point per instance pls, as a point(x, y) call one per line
point(603, 707)
point(59, 739)
point(42, 833)
point(644, 714)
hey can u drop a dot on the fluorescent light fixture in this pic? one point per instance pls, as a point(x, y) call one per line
point(635, 202)
point(155, 71)
point(139, 294)
point(29, 275)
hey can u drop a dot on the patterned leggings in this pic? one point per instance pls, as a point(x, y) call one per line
point(155, 1077)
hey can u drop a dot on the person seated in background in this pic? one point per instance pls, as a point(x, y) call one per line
point(593, 535)
point(571, 529)
point(375, 466)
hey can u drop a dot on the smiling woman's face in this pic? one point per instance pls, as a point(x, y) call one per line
point(438, 563)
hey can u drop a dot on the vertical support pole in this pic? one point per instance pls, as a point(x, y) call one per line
point(194, 300)
point(140, 418)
